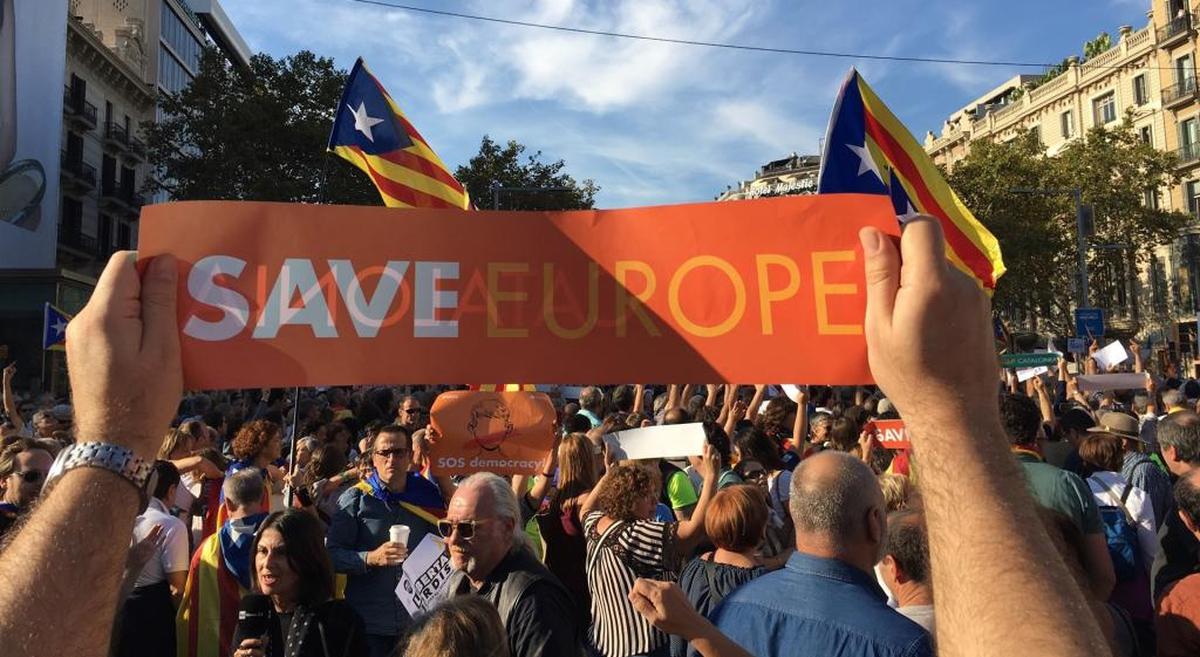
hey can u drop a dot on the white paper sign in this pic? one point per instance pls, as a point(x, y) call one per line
point(666, 441)
point(1119, 381)
point(792, 392)
point(1026, 373)
point(1113, 354)
point(424, 576)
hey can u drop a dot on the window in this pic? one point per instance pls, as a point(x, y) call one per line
point(172, 76)
point(1104, 109)
point(1191, 193)
point(1185, 73)
point(1139, 90)
point(1158, 285)
point(105, 237)
point(1068, 124)
point(1150, 198)
point(108, 174)
point(1036, 131)
point(1189, 139)
point(180, 39)
point(124, 236)
point(1147, 134)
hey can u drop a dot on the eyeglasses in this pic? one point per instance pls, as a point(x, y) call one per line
point(466, 528)
point(755, 474)
point(31, 476)
point(397, 452)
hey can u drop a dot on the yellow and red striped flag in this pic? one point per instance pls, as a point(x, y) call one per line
point(868, 151)
point(372, 133)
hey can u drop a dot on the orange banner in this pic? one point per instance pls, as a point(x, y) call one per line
point(890, 434)
point(500, 432)
point(302, 295)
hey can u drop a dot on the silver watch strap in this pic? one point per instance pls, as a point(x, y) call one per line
point(107, 456)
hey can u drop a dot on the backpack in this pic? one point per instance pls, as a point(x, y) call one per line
point(781, 531)
point(1120, 532)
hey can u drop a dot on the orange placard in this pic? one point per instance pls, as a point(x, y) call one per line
point(890, 434)
point(500, 432)
point(302, 295)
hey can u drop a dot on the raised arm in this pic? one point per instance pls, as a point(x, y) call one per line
point(691, 531)
point(1043, 399)
point(1135, 350)
point(639, 398)
point(934, 371)
point(760, 390)
point(673, 395)
point(66, 561)
point(800, 427)
point(10, 401)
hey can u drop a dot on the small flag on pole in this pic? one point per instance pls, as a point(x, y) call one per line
point(54, 328)
point(371, 132)
point(868, 151)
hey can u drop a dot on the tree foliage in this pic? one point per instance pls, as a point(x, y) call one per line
point(1113, 169)
point(503, 167)
point(257, 135)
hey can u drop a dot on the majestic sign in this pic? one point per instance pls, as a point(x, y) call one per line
point(302, 295)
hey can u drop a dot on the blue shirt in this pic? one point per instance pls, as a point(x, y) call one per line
point(820, 607)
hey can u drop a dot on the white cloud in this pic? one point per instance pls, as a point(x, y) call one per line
point(756, 119)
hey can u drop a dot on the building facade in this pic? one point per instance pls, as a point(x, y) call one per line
point(121, 55)
point(795, 174)
point(1149, 73)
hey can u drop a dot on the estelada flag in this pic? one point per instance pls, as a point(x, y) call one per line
point(372, 133)
point(54, 328)
point(868, 151)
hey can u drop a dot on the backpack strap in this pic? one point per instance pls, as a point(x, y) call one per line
point(600, 543)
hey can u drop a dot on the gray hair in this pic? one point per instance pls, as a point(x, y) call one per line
point(831, 500)
point(243, 487)
point(504, 501)
point(591, 398)
point(1173, 398)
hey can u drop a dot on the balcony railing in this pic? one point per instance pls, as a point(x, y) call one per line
point(137, 148)
point(70, 236)
point(78, 109)
point(1180, 92)
point(1172, 30)
point(1188, 154)
point(115, 133)
point(80, 171)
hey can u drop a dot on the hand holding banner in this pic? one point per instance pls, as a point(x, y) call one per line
point(424, 576)
point(500, 432)
point(667, 442)
point(304, 295)
point(890, 434)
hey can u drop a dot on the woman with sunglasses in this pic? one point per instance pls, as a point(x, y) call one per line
point(359, 543)
point(292, 568)
point(624, 543)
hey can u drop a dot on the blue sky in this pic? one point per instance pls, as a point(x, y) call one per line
point(659, 123)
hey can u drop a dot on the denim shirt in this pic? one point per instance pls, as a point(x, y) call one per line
point(360, 525)
point(816, 606)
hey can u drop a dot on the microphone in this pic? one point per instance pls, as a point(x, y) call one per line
point(254, 618)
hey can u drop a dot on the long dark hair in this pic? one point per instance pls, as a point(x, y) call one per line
point(306, 554)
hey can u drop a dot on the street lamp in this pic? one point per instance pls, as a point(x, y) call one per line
point(1081, 228)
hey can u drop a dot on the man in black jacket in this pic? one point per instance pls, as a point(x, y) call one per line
point(492, 560)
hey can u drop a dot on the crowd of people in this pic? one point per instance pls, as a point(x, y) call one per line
point(1025, 515)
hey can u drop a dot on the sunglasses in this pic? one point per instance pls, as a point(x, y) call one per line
point(31, 476)
point(397, 452)
point(755, 474)
point(466, 528)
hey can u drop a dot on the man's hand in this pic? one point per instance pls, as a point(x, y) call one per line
point(388, 554)
point(920, 314)
point(123, 356)
point(664, 606)
point(9, 373)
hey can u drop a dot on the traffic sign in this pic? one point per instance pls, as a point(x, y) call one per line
point(1089, 322)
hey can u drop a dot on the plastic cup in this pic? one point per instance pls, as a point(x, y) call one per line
point(398, 534)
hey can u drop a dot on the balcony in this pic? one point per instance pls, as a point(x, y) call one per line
point(1175, 31)
point(78, 111)
point(115, 197)
point(1180, 93)
point(137, 149)
point(77, 175)
point(115, 136)
point(1188, 155)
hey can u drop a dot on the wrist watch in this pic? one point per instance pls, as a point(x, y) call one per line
point(139, 472)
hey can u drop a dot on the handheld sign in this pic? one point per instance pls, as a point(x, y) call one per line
point(1117, 381)
point(500, 432)
point(1026, 373)
point(1077, 345)
point(1038, 359)
point(306, 295)
point(890, 434)
point(1112, 354)
point(667, 441)
point(424, 576)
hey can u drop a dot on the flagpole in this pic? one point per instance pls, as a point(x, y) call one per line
point(291, 488)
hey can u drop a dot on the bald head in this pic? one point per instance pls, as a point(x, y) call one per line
point(832, 495)
point(1187, 497)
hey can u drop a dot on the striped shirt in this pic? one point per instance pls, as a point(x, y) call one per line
point(624, 552)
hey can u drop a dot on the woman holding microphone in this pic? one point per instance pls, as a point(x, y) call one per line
point(360, 535)
point(292, 569)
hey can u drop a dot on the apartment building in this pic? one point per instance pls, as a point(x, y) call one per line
point(794, 174)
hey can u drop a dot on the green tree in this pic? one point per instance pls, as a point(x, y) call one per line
point(257, 135)
point(503, 166)
point(1037, 232)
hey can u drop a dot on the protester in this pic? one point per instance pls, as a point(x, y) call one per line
point(559, 523)
point(754, 445)
point(292, 568)
point(896, 491)
point(179, 448)
point(1178, 616)
point(1132, 535)
point(1179, 436)
point(326, 463)
point(1138, 468)
point(591, 405)
point(623, 544)
point(358, 538)
point(736, 524)
point(220, 571)
point(411, 415)
point(466, 626)
point(147, 622)
point(23, 468)
point(491, 559)
point(826, 597)
point(664, 606)
point(257, 446)
point(905, 567)
point(1057, 489)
